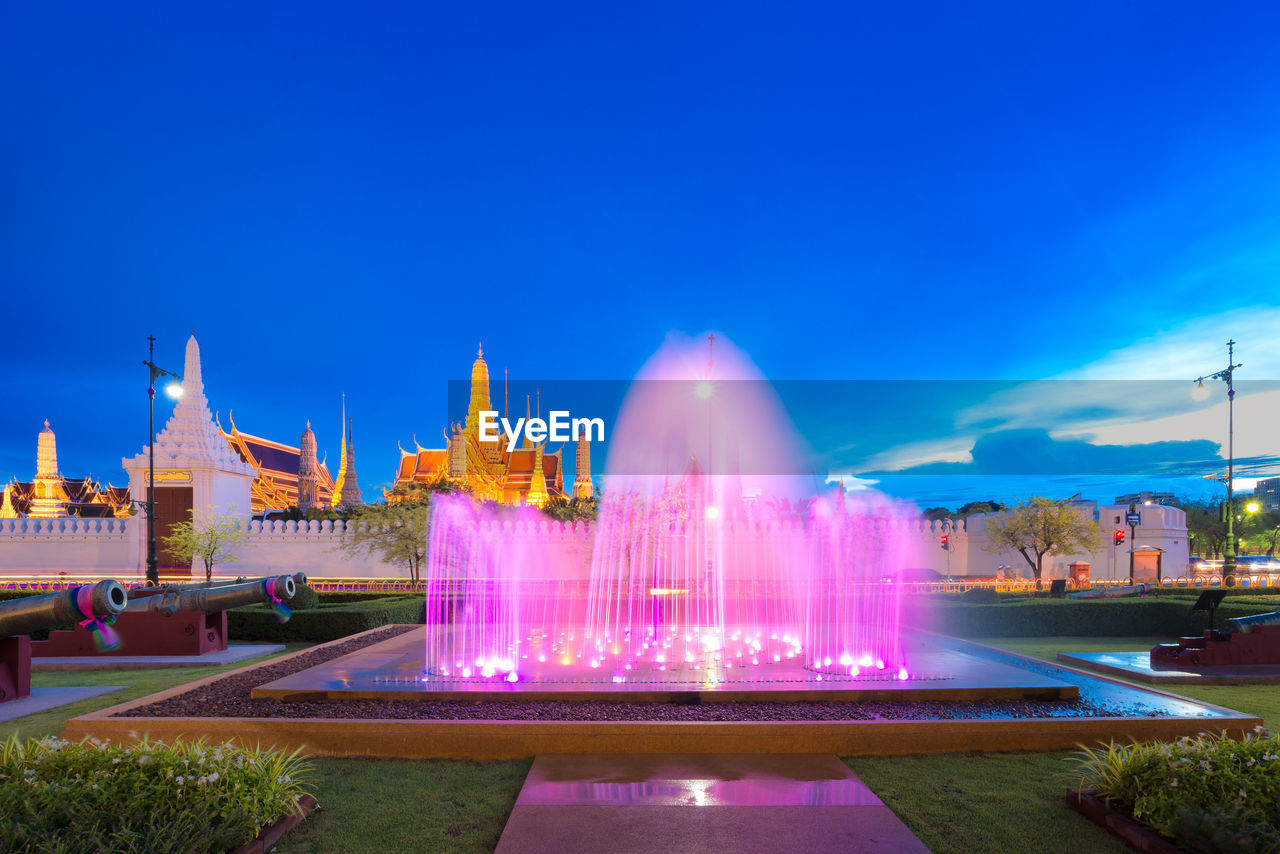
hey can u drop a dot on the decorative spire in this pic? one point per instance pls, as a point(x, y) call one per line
point(190, 435)
point(192, 383)
point(349, 496)
point(46, 453)
point(7, 508)
point(538, 495)
point(582, 485)
point(479, 400)
point(48, 495)
point(308, 471)
point(341, 479)
point(524, 443)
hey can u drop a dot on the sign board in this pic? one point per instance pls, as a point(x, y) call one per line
point(1133, 519)
point(168, 477)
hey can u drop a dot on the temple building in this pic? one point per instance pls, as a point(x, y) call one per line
point(51, 496)
point(493, 471)
point(284, 476)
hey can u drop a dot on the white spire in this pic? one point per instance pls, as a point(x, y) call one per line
point(190, 436)
point(192, 384)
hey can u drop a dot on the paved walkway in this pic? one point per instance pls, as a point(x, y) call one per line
point(702, 802)
point(234, 653)
point(43, 699)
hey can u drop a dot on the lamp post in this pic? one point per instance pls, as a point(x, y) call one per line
point(174, 390)
point(1226, 375)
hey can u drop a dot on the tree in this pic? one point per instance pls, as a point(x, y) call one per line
point(937, 514)
point(975, 507)
point(573, 509)
point(420, 492)
point(1205, 525)
point(1041, 526)
point(293, 513)
point(398, 532)
point(211, 538)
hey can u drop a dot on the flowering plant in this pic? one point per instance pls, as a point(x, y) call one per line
point(188, 796)
point(1207, 793)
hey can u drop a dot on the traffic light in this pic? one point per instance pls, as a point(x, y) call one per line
point(946, 541)
point(1118, 536)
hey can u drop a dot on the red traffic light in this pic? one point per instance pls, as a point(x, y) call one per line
point(1118, 536)
point(945, 539)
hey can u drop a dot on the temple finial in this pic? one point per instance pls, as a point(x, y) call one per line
point(479, 349)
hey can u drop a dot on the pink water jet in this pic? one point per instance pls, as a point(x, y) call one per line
point(710, 561)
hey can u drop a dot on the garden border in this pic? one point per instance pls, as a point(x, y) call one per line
point(514, 739)
point(1120, 823)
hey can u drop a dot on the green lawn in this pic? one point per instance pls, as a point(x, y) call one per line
point(139, 683)
point(407, 805)
point(1260, 700)
point(957, 802)
point(995, 802)
point(973, 803)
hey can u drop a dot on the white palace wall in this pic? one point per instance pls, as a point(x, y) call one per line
point(1162, 527)
point(116, 548)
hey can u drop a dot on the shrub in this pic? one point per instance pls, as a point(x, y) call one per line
point(353, 596)
point(58, 796)
point(1208, 793)
point(1026, 617)
point(325, 622)
point(304, 598)
point(980, 596)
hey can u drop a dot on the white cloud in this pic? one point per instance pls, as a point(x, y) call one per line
point(1196, 347)
point(954, 449)
point(852, 483)
point(1136, 395)
point(1256, 420)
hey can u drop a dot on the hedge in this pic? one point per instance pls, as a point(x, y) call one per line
point(1083, 618)
point(353, 596)
point(324, 623)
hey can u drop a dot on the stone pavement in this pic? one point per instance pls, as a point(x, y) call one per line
point(43, 699)
point(681, 804)
point(233, 653)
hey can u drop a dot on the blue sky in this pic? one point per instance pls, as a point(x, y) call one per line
point(346, 199)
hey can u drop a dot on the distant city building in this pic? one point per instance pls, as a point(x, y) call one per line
point(1165, 498)
point(493, 471)
point(51, 496)
point(1268, 494)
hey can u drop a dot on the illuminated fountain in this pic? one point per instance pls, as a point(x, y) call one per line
point(710, 562)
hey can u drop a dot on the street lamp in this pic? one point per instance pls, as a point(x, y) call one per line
point(1226, 375)
point(174, 390)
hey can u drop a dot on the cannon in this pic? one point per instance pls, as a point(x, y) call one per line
point(213, 597)
point(1242, 642)
point(1246, 625)
point(188, 619)
point(92, 606)
point(1110, 592)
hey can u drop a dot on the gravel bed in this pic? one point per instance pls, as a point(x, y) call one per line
point(229, 697)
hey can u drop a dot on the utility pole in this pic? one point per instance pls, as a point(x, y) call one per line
point(1227, 375)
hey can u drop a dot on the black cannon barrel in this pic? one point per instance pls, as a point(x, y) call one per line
point(73, 605)
point(1245, 625)
point(202, 597)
